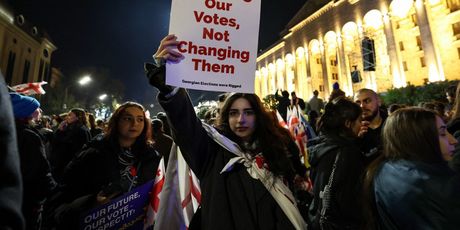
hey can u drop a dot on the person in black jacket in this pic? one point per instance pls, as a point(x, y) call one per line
point(68, 140)
point(108, 166)
point(411, 186)
point(35, 169)
point(283, 103)
point(163, 142)
point(297, 101)
point(241, 165)
point(373, 122)
point(338, 142)
point(10, 174)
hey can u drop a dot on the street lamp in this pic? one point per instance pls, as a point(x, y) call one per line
point(85, 80)
point(82, 82)
point(102, 97)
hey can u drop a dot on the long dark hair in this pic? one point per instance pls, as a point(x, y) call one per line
point(144, 140)
point(81, 116)
point(409, 134)
point(91, 121)
point(271, 141)
point(336, 114)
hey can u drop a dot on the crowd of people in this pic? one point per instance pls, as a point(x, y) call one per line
point(370, 167)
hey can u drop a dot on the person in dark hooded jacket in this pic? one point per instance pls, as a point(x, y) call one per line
point(339, 127)
point(35, 169)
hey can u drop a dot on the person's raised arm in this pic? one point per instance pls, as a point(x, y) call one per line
point(156, 72)
point(197, 148)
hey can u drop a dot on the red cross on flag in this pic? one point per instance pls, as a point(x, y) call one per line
point(152, 208)
point(30, 88)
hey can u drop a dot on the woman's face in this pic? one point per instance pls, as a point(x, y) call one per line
point(242, 119)
point(446, 140)
point(71, 118)
point(131, 123)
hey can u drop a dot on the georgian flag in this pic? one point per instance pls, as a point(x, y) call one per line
point(30, 88)
point(153, 207)
point(179, 198)
point(189, 189)
point(298, 130)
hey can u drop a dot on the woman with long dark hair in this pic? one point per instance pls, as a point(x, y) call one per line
point(242, 165)
point(411, 186)
point(336, 148)
point(111, 164)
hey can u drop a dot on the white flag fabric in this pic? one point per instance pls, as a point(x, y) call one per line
point(189, 189)
point(298, 128)
point(180, 197)
point(30, 88)
point(280, 192)
point(152, 208)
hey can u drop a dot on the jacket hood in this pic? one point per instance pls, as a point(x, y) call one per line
point(323, 144)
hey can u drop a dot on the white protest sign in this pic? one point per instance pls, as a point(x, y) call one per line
point(219, 42)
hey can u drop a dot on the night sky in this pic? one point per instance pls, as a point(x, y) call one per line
point(121, 35)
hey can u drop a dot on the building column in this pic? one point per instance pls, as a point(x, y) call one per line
point(257, 81)
point(397, 69)
point(344, 68)
point(432, 58)
point(324, 70)
point(265, 82)
point(308, 77)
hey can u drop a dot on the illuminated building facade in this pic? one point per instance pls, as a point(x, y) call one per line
point(25, 50)
point(377, 44)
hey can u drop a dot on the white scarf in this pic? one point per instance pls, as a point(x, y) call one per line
point(274, 185)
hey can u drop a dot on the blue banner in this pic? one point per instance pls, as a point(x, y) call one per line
point(126, 211)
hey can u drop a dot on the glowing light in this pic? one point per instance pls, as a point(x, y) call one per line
point(102, 97)
point(85, 80)
point(397, 81)
point(433, 74)
point(300, 52)
point(331, 41)
point(279, 64)
point(400, 8)
point(279, 73)
point(350, 28)
point(314, 47)
point(373, 19)
point(434, 2)
point(350, 31)
point(264, 71)
point(6, 15)
point(289, 59)
point(271, 67)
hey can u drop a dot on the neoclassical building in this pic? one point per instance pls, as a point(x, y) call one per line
point(25, 49)
point(377, 44)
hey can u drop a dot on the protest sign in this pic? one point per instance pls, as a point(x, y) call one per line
point(219, 42)
point(125, 212)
